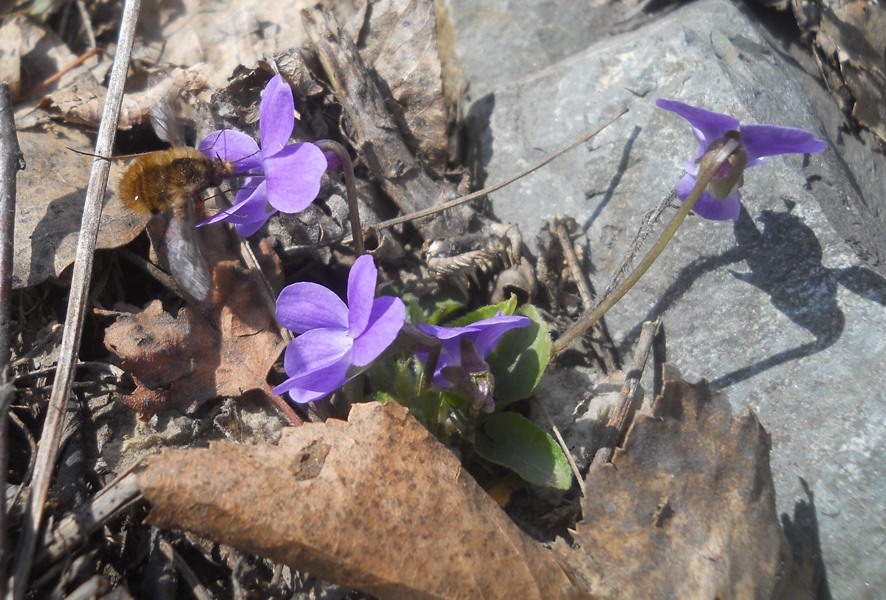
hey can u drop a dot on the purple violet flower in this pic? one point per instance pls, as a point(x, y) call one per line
point(279, 177)
point(334, 336)
point(721, 201)
point(484, 335)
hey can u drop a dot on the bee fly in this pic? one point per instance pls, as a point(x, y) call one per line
point(169, 182)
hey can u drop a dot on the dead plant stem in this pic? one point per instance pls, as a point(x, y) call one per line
point(82, 272)
point(12, 162)
point(709, 165)
point(494, 188)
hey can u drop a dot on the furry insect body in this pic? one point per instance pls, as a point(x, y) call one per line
point(157, 181)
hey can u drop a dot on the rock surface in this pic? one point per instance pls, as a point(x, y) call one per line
point(776, 309)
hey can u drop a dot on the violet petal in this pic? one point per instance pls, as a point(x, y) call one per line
point(255, 211)
point(706, 125)
point(304, 306)
point(276, 116)
point(318, 362)
point(293, 176)
point(250, 204)
point(771, 140)
point(709, 206)
point(385, 322)
point(492, 330)
point(234, 146)
point(361, 293)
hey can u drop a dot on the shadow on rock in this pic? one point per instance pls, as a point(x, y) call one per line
point(805, 543)
point(784, 260)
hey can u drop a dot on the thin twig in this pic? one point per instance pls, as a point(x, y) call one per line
point(73, 530)
point(50, 338)
point(572, 465)
point(82, 272)
point(7, 395)
point(38, 89)
point(494, 188)
point(87, 23)
point(12, 163)
point(627, 402)
point(604, 347)
point(197, 590)
point(109, 369)
point(32, 457)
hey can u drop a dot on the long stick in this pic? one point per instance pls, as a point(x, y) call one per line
point(11, 162)
point(61, 389)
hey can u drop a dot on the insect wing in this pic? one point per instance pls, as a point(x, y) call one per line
point(166, 121)
point(186, 259)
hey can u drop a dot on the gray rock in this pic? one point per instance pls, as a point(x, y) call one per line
point(775, 309)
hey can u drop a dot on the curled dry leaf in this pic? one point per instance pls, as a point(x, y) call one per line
point(375, 503)
point(49, 205)
point(686, 509)
point(183, 361)
point(83, 101)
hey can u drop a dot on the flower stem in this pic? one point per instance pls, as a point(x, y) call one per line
point(351, 187)
point(710, 164)
point(433, 346)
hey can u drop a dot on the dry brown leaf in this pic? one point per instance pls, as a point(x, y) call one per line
point(687, 507)
point(398, 40)
point(11, 35)
point(40, 52)
point(375, 503)
point(49, 205)
point(82, 102)
point(184, 361)
point(225, 35)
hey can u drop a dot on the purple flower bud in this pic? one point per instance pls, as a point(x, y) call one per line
point(462, 354)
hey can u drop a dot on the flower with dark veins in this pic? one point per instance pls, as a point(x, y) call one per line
point(279, 177)
point(336, 341)
point(721, 200)
point(463, 352)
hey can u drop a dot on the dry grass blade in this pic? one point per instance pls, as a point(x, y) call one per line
point(82, 273)
point(12, 161)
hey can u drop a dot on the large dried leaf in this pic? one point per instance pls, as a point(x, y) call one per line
point(375, 504)
point(687, 507)
point(223, 35)
point(398, 40)
point(225, 349)
point(31, 54)
point(49, 205)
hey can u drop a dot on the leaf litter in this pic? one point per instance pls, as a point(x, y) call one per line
point(375, 502)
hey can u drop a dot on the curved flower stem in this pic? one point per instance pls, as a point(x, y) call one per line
point(710, 164)
point(434, 345)
point(351, 185)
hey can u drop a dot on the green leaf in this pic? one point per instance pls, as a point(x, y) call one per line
point(515, 442)
point(520, 359)
point(432, 309)
point(506, 307)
